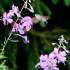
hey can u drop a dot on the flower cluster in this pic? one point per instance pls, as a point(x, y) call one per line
point(55, 57)
point(17, 29)
point(24, 23)
point(7, 17)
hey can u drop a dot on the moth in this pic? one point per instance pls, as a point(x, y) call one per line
point(39, 18)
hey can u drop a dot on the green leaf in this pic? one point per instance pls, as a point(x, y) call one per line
point(33, 5)
point(32, 59)
point(66, 2)
point(7, 2)
point(39, 10)
point(55, 1)
point(3, 57)
point(46, 8)
point(69, 61)
point(4, 67)
point(42, 24)
point(2, 9)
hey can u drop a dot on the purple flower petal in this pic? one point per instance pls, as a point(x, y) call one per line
point(21, 31)
point(15, 10)
point(55, 50)
point(25, 39)
point(43, 57)
point(9, 20)
point(62, 53)
point(52, 55)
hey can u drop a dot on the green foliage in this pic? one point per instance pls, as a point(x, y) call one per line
point(4, 67)
point(2, 57)
point(67, 2)
point(31, 60)
point(7, 4)
point(2, 8)
point(68, 62)
point(2, 64)
point(41, 7)
point(55, 1)
point(46, 9)
point(42, 24)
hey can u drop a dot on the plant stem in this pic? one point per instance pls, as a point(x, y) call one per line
point(11, 32)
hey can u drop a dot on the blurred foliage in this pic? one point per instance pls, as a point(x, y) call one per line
point(66, 2)
point(25, 56)
point(55, 1)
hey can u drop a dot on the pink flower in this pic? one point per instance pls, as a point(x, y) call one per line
point(10, 14)
point(15, 10)
point(26, 22)
point(43, 59)
point(23, 37)
point(52, 55)
point(60, 55)
point(7, 18)
point(47, 63)
point(17, 28)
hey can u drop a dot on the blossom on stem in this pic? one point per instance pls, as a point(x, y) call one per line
point(15, 10)
point(17, 28)
point(10, 14)
point(23, 37)
point(7, 18)
point(26, 22)
point(60, 55)
point(47, 63)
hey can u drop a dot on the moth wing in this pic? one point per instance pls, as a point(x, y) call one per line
point(35, 20)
